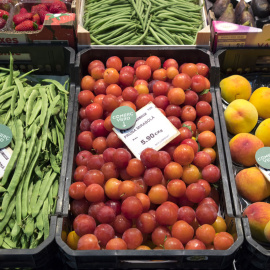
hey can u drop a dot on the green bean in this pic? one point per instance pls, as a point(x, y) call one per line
point(15, 153)
point(6, 105)
point(2, 189)
point(11, 223)
point(38, 172)
point(19, 204)
point(35, 194)
point(57, 84)
point(54, 165)
point(15, 230)
point(45, 219)
point(39, 221)
point(25, 196)
point(54, 136)
point(7, 90)
point(156, 36)
point(7, 117)
point(44, 107)
point(24, 242)
point(46, 123)
point(29, 227)
point(30, 105)
point(14, 181)
point(27, 73)
point(10, 78)
point(31, 146)
point(2, 236)
point(37, 240)
point(5, 96)
point(42, 197)
point(58, 125)
point(29, 90)
point(9, 242)
point(35, 111)
point(138, 12)
point(144, 34)
point(10, 209)
point(21, 101)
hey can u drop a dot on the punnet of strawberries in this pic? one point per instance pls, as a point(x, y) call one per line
point(3, 18)
point(32, 19)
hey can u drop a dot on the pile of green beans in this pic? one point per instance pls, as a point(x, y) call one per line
point(142, 22)
point(29, 188)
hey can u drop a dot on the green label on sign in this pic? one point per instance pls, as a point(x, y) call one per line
point(263, 157)
point(123, 117)
point(5, 136)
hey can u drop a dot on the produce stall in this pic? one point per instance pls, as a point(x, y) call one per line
point(144, 143)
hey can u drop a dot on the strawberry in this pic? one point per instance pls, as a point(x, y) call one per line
point(42, 14)
point(58, 6)
point(35, 9)
point(19, 18)
point(3, 12)
point(36, 19)
point(23, 11)
point(2, 22)
point(40, 27)
point(27, 26)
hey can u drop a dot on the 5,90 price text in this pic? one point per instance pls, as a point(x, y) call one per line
point(151, 136)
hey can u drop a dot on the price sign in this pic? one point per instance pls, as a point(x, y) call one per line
point(151, 130)
point(5, 155)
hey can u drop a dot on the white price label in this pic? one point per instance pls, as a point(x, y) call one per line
point(151, 130)
point(265, 172)
point(5, 155)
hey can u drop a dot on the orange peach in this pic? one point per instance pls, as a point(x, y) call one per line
point(258, 215)
point(252, 185)
point(243, 147)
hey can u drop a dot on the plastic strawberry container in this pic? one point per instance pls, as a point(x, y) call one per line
point(6, 6)
point(29, 4)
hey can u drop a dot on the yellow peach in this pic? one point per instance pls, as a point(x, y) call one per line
point(235, 87)
point(240, 116)
point(260, 98)
point(263, 132)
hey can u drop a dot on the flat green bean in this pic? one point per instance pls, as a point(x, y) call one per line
point(14, 181)
point(15, 153)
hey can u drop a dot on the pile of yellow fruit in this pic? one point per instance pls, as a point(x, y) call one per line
point(245, 107)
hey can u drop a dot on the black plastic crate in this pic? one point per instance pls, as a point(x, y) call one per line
point(253, 65)
point(188, 259)
point(51, 60)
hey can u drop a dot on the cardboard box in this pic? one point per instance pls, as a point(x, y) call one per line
point(225, 34)
point(83, 35)
point(57, 28)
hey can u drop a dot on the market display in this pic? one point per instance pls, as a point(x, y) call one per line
point(168, 195)
point(139, 22)
point(36, 114)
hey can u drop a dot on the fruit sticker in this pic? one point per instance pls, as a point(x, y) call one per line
point(5, 136)
point(123, 117)
point(263, 157)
